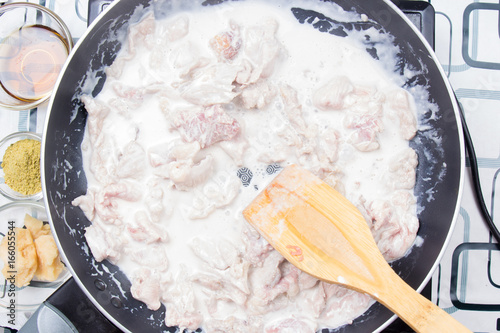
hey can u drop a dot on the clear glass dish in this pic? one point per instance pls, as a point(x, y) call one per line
point(5, 190)
point(34, 45)
point(29, 297)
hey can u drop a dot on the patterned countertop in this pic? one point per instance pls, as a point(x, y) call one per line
point(467, 43)
point(468, 47)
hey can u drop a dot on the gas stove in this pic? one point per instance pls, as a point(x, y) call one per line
point(466, 283)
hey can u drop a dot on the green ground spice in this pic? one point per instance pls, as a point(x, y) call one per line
point(21, 166)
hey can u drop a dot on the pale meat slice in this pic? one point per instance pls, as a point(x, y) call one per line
point(399, 102)
point(402, 169)
point(366, 128)
point(146, 288)
point(332, 95)
point(226, 44)
point(232, 324)
point(393, 238)
point(180, 306)
point(207, 126)
point(102, 244)
point(142, 229)
point(258, 95)
point(290, 325)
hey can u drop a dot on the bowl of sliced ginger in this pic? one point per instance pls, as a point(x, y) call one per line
point(29, 258)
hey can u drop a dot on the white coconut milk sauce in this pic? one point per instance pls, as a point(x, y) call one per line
point(203, 220)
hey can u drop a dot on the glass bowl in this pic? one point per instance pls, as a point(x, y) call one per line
point(34, 45)
point(31, 296)
point(5, 190)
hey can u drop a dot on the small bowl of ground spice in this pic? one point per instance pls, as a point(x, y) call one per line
point(20, 166)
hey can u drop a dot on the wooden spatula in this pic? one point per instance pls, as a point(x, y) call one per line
point(322, 233)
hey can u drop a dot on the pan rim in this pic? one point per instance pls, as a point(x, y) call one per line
point(450, 93)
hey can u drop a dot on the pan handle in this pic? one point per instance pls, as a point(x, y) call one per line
point(68, 310)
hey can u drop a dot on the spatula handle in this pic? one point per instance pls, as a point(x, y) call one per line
point(417, 311)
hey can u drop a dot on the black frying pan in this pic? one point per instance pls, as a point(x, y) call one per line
point(439, 173)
